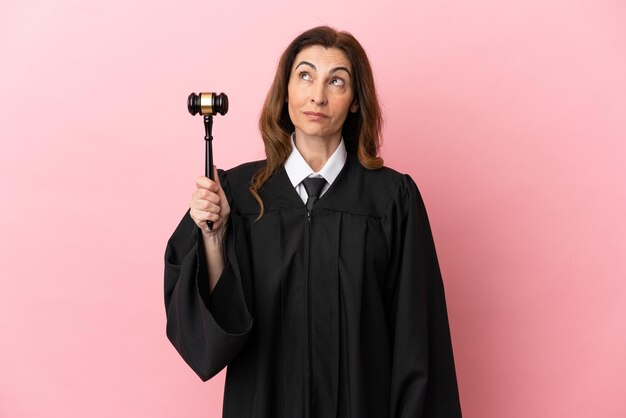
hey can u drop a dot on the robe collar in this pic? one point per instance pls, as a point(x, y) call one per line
point(297, 168)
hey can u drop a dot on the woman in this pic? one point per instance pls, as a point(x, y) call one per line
point(318, 284)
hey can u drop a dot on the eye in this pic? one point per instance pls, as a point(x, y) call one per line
point(337, 82)
point(303, 75)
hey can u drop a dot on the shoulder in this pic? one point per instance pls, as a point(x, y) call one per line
point(385, 178)
point(395, 187)
point(399, 196)
point(371, 191)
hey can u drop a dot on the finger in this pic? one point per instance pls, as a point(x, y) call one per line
point(205, 228)
point(200, 216)
point(206, 183)
point(206, 206)
point(216, 176)
point(221, 190)
point(203, 225)
point(204, 194)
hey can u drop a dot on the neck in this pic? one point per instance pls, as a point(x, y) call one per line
point(315, 150)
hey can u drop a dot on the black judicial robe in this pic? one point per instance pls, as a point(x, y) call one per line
point(338, 314)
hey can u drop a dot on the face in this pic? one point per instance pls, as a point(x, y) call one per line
point(320, 93)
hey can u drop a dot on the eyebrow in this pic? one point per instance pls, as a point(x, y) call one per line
point(333, 70)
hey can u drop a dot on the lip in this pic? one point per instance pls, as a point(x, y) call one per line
point(316, 115)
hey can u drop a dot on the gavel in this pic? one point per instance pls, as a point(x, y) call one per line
point(208, 104)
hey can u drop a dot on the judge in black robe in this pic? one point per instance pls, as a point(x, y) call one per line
point(334, 312)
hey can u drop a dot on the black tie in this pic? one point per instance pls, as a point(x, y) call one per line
point(313, 186)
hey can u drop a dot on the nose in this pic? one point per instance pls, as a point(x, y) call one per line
point(318, 96)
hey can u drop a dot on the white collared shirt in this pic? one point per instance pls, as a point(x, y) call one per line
point(298, 169)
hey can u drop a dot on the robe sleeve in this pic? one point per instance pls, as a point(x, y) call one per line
point(207, 329)
point(423, 378)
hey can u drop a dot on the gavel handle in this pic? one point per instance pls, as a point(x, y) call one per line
point(208, 154)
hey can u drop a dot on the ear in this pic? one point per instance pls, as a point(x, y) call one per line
point(354, 107)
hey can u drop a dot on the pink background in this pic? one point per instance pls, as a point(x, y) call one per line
point(510, 116)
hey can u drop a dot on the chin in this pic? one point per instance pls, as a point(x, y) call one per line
point(319, 132)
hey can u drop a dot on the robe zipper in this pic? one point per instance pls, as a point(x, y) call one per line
point(307, 390)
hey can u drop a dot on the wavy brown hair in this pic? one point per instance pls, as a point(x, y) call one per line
point(361, 130)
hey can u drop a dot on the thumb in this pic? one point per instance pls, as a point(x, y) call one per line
point(216, 177)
